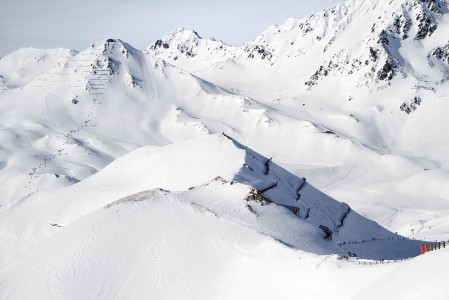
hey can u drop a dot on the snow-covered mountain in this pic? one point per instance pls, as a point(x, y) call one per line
point(374, 72)
point(382, 61)
point(71, 121)
point(364, 40)
point(197, 145)
point(176, 203)
point(63, 117)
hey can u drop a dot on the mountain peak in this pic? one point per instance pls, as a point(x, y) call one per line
point(112, 45)
point(181, 33)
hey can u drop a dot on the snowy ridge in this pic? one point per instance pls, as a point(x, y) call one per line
point(331, 32)
point(186, 47)
point(227, 208)
point(245, 182)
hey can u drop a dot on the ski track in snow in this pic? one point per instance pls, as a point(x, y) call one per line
point(150, 84)
point(390, 217)
point(351, 168)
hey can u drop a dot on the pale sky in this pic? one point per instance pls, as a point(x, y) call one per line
point(76, 24)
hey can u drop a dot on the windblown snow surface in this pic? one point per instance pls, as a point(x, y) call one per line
point(289, 167)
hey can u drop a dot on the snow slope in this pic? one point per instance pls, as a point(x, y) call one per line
point(25, 64)
point(136, 249)
point(139, 245)
point(421, 277)
point(181, 166)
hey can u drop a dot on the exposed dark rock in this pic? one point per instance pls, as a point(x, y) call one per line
point(159, 44)
point(251, 209)
point(355, 118)
point(293, 209)
point(329, 132)
point(221, 180)
point(373, 54)
point(410, 106)
point(383, 39)
point(435, 6)
point(305, 27)
point(387, 72)
point(426, 25)
point(258, 196)
point(442, 53)
point(322, 71)
point(185, 50)
point(260, 50)
point(328, 233)
point(401, 26)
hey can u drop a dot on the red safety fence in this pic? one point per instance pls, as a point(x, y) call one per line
point(424, 248)
point(433, 246)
